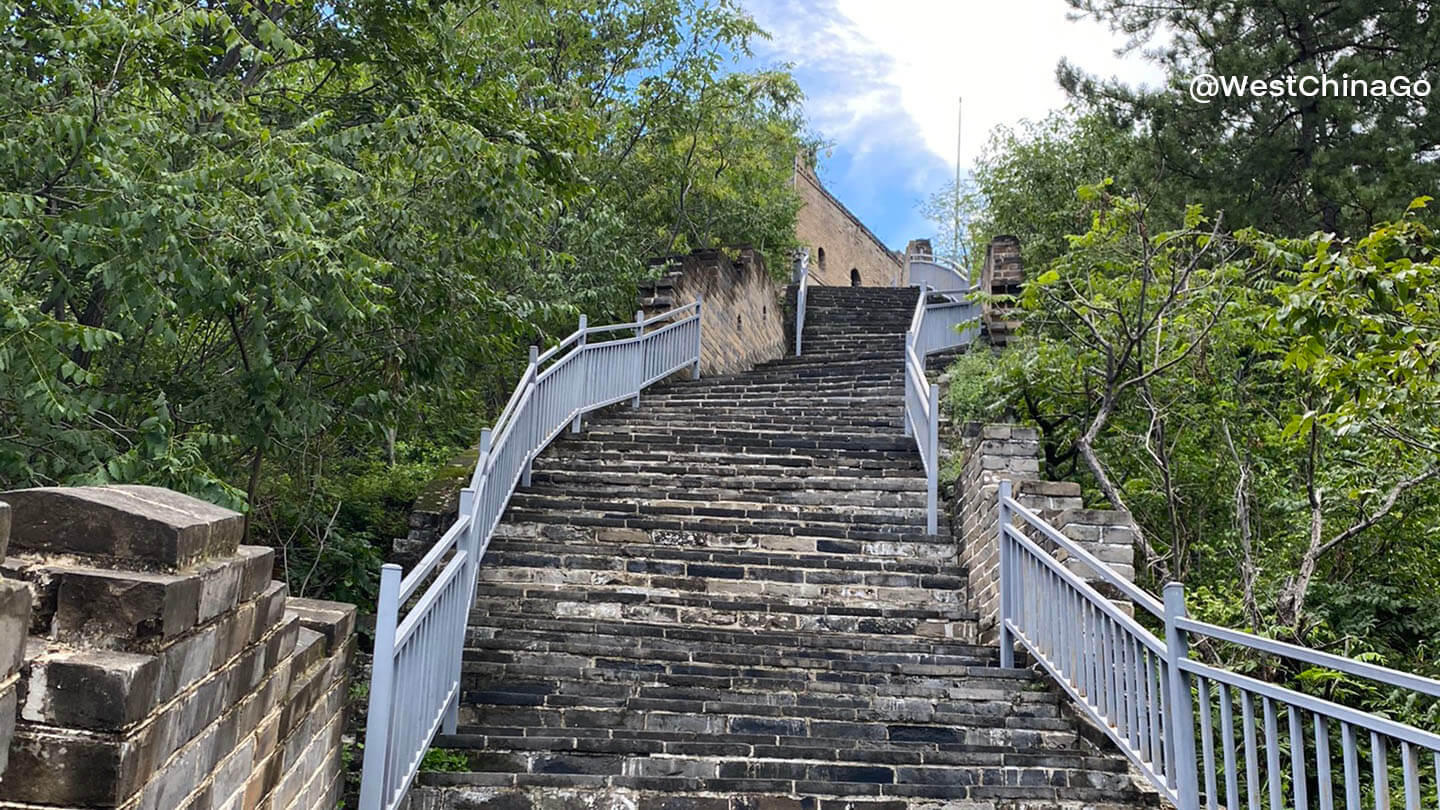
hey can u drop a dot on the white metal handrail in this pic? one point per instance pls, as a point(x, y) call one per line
point(945, 324)
point(416, 677)
point(1155, 701)
point(940, 275)
point(802, 282)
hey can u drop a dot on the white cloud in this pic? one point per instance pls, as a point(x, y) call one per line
point(877, 71)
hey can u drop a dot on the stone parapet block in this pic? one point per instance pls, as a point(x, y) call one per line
point(135, 526)
point(137, 610)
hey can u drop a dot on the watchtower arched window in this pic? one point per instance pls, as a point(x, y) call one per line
point(854, 277)
point(820, 259)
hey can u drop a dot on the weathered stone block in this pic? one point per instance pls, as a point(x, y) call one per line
point(112, 608)
point(14, 625)
point(91, 689)
point(4, 528)
point(148, 526)
point(333, 620)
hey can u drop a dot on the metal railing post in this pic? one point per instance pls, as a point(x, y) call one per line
point(1180, 725)
point(382, 689)
point(699, 325)
point(580, 344)
point(932, 482)
point(470, 546)
point(1006, 575)
point(639, 356)
point(909, 386)
point(534, 436)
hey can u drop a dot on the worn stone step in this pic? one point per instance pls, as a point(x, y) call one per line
point(876, 653)
point(704, 478)
point(636, 553)
point(719, 525)
point(676, 606)
point(931, 548)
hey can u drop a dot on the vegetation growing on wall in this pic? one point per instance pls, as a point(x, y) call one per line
point(272, 253)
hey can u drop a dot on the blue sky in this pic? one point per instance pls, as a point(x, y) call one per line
point(882, 78)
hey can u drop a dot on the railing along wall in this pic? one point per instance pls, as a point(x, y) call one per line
point(1204, 736)
point(940, 275)
point(934, 326)
point(802, 282)
point(415, 684)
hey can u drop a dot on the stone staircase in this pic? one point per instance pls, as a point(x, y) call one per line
point(726, 599)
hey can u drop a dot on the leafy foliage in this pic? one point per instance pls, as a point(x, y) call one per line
point(243, 244)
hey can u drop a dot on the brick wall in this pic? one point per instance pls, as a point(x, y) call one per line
point(163, 668)
point(824, 223)
point(994, 453)
point(741, 318)
point(1002, 274)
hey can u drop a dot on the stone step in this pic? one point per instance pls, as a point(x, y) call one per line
point(613, 501)
point(603, 490)
point(733, 437)
point(475, 791)
point(857, 531)
point(736, 546)
point(887, 655)
point(630, 554)
point(657, 606)
point(811, 677)
point(788, 472)
point(797, 727)
point(828, 462)
point(703, 480)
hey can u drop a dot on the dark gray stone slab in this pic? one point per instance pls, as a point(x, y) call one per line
point(148, 526)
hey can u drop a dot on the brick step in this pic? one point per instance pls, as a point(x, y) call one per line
point(789, 389)
point(612, 502)
point(600, 489)
point(909, 753)
point(769, 681)
point(959, 702)
point(734, 546)
point(695, 463)
point(494, 652)
point(698, 479)
point(824, 461)
point(787, 440)
point(629, 554)
point(471, 791)
point(716, 601)
point(658, 419)
point(1016, 731)
point(877, 359)
point(887, 655)
point(885, 371)
point(677, 607)
point(719, 525)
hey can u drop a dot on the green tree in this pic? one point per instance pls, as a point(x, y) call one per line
point(1341, 163)
point(243, 245)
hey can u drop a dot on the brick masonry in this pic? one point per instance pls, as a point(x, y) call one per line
point(994, 453)
point(163, 668)
point(825, 224)
point(741, 317)
point(1002, 274)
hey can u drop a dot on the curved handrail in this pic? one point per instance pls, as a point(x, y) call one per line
point(420, 648)
point(940, 275)
point(933, 327)
point(1165, 709)
point(802, 283)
